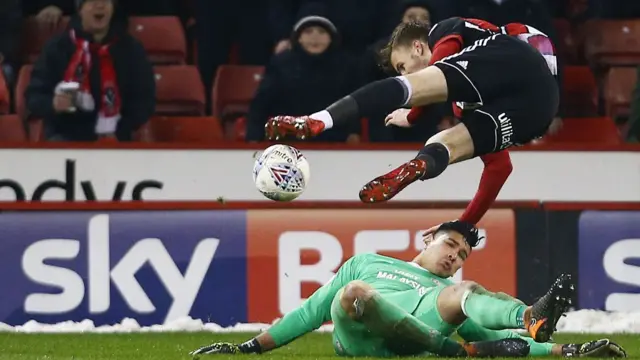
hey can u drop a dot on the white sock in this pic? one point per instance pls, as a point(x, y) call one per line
point(325, 117)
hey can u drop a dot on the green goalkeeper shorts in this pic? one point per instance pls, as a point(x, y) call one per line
point(351, 338)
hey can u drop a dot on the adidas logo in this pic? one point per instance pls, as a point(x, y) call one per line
point(463, 64)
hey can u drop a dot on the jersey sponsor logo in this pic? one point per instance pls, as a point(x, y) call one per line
point(608, 263)
point(463, 64)
point(506, 131)
point(295, 258)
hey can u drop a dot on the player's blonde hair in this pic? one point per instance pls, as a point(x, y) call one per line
point(403, 35)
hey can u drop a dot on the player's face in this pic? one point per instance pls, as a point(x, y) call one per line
point(315, 40)
point(446, 253)
point(409, 59)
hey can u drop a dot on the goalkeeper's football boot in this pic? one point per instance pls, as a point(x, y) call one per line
point(546, 312)
point(602, 348)
point(217, 348)
point(300, 127)
point(387, 186)
point(511, 347)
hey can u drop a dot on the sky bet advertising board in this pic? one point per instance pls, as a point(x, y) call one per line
point(225, 267)
point(609, 260)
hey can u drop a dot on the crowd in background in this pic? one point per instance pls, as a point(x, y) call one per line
point(95, 81)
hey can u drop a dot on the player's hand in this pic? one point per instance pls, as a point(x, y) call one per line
point(398, 118)
point(217, 348)
point(603, 348)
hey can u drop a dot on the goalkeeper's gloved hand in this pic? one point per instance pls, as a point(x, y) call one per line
point(603, 348)
point(217, 348)
point(248, 347)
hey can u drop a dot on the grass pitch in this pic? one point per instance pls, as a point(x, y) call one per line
point(175, 346)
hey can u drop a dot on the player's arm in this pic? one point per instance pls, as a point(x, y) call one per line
point(313, 312)
point(497, 168)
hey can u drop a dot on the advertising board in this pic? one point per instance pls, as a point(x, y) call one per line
point(609, 266)
point(219, 266)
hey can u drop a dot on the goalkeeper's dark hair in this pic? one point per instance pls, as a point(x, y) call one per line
point(403, 35)
point(467, 230)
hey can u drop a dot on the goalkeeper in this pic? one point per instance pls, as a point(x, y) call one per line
point(385, 307)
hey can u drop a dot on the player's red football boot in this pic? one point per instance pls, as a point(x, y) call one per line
point(300, 127)
point(387, 186)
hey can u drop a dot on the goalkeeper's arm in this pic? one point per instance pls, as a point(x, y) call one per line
point(315, 311)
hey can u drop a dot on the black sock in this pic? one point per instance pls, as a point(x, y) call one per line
point(250, 347)
point(379, 97)
point(436, 156)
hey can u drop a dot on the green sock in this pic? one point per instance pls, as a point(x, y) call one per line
point(493, 311)
point(404, 331)
point(539, 349)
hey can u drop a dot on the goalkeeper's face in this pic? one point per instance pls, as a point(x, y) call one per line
point(445, 253)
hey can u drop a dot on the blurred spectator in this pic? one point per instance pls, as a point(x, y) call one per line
point(634, 116)
point(51, 11)
point(10, 20)
point(307, 78)
point(222, 24)
point(92, 81)
point(359, 22)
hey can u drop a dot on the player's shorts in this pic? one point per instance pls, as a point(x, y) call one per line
point(352, 338)
point(515, 93)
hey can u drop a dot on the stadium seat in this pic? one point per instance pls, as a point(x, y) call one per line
point(11, 129)
point(613, 42)
point(179, 91)
point(580, 92)
point(163, 38)
point(234, 88)
point(598, 130)
point(35, 34)
point(185, 129)
point(618, 88)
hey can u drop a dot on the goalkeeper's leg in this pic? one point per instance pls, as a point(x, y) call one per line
point(499, 311)
point(366, 324)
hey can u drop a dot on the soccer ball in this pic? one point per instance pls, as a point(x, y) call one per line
point(281, 173)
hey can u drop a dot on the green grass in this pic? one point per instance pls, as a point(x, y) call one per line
point(175, 346)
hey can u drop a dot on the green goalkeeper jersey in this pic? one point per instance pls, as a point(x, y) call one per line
point(403, 283)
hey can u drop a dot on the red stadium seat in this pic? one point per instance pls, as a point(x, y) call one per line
point(613, 42)
point(11, 129)
point(580, 92)
point(234, 88)
point(179, 91)
point(600, 130)
point(35, 34)
point(618, 88)
point(163, 38)
point(185, 129)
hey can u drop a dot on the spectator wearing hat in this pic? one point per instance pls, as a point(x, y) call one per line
point(308, 77)
point(93, 80)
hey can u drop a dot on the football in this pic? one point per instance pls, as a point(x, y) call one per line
point(281, 173)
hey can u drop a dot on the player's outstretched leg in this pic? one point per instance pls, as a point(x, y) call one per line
point(499, 311)
point(447, 147)
point(402, 330)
